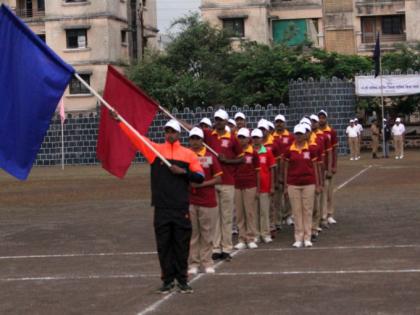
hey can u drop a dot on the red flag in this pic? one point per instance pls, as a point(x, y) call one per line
point(114, 149)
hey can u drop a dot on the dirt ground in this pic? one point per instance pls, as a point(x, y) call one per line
point(79, 241)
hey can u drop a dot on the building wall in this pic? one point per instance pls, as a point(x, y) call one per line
point(412, 17)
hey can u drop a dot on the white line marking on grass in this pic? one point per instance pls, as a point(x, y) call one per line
point(352, 178)
point(314, 272)
point(78, 255)
point(338, 248)
point(153, 307)
point(88, 277)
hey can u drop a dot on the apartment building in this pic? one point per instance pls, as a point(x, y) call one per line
point(89, 35)
point(345, 26)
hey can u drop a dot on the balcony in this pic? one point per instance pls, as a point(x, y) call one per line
point(304, 4)
point(30, 13)
point(379, 7)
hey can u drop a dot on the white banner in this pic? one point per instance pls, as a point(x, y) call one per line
point(392, 85)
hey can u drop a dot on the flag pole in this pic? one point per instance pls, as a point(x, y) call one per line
point(62, 146)
point(164, 110)
point(106, 104)
point(382, 100)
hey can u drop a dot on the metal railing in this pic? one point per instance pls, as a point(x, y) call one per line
point(29, 13)
point(368, 38)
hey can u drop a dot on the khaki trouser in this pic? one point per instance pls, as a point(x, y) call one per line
point(317, 212)
point(398, 145)
point(353, 144)
point(245, 205)
point(281, 207)
point(327, 201)
point(223, 229)
point(203, 222)
point(375, 144)
point(262, 219)
point(302, 201)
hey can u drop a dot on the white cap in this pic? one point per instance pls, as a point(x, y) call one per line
point(271, 125)
point(307, 126)
point(244, 132)
point(351, 121)
point(305, 120)
point(206, 121)
point(222, 114)
point(240, 115)
point(398, 119)
point(356, 119)
point(323, 112)
point(299, 129)
point(227, 128)
point(196, 132)
point(263, 124)
point(174, 125)
point(384, 119)
point(257, 133)
point(231, 121)
point(280, 117)
point(314, 117)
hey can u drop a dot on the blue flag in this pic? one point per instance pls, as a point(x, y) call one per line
point(32, 81)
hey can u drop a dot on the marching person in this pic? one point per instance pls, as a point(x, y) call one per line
point(328, 210)
point(170, 198)
point(230, 156)
point(203, 206)
point(240, 120)
point(359, 141)
point(375, 134)
point(302, 182)
point(352, 133)
point(205, 124)
point(398, 132)
point(265, 186)
point(232, 126)
point(246, 192)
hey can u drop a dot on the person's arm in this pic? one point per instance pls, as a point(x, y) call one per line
point(238, 160)
point(217, 179)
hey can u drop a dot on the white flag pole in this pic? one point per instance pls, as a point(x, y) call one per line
point(106, 104)
point(62, 145)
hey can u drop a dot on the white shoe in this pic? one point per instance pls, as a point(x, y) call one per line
point(351, 159)
point(308, 244)
point(297, 244)
point(267, 239)
point(319, 229)
point(331, 220)
point(240, 245)
point(397, 157)
point(193, 271)
point(252, 245)
point(290, 221)
point(257, 240)
point(209, 270)
point(401, 156)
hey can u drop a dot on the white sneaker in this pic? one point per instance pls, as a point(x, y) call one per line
point(331, 220)
point(308, 244)
point(290, 221)
point(319, 229)
point(267, 239)
point(240, 245)
point(252, 245)
point(358, 158)
point(397, 157)
point(401, 156)
point(297, 244)
point(209, 270)
point(351, 159)
point(193, 271)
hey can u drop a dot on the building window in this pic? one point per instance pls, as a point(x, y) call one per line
point(290, 32)
point(235, 27)
point(76, 87)
point(42, 37)
point(393, 25)
point(76, 38)
point(41, 5)
point(123, 37)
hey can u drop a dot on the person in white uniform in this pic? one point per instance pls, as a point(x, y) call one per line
point(398, 131)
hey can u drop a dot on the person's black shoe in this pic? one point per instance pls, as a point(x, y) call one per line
point(314, 237)
point(166, 288)
point(216, 256)
point(226, 256)
point(185, 288)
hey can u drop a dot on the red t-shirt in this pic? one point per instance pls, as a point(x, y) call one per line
point(267, 162)
point(282, 143)
point(246, 173)
point(332, 136)
point(326, 144)
point(227, 145)
point(206, 196)
point(317, 143)
point(269, 142)
point(301, 170)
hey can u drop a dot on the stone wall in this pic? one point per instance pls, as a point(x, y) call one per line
point(306, 97)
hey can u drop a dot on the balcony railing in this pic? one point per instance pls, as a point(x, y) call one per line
point(29, 13)
point(368, 38)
